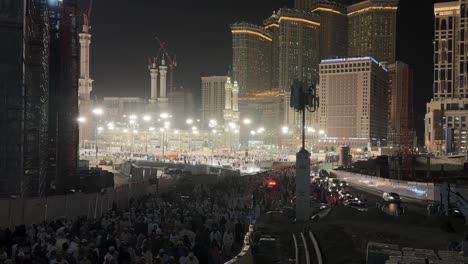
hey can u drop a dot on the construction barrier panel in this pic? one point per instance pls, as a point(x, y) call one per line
point(92, 205)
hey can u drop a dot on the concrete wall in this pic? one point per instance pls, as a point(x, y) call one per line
point(408, 189)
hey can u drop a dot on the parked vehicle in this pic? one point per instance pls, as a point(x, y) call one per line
point(391, 197)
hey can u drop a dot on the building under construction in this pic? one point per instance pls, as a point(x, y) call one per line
point(38, 97)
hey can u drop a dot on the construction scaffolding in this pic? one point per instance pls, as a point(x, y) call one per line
point(38, 96)
point(35, 98)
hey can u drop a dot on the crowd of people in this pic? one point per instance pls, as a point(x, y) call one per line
point(204, 224)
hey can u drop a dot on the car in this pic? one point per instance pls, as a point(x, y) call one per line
point(345, 195)
point(334, 182)
point(391, 197)
point(357, 204)
point(323, 173)
point(333, 189)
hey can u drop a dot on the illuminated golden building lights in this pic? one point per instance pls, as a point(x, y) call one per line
point(327, 10)
point(246, 31)
point(373, 8)
point(310, 22)
point(271, 25)
point(447, 10)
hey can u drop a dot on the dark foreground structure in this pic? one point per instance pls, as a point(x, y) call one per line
point(38, 96)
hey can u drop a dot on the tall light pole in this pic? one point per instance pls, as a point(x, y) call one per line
point(97, 112)
point(303, 99)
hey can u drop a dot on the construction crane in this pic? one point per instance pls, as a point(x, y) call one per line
point(172, 64)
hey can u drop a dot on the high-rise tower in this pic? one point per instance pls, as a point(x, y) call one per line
point(372, 29)
point(251, 57)
point(333, 28)
point(447, 113)
point(298, 47)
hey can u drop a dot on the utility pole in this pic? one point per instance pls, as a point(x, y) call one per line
point(303, 98)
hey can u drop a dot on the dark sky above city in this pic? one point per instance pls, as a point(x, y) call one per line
point(198, 32)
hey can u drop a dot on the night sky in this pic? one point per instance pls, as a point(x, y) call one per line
point(198, 32)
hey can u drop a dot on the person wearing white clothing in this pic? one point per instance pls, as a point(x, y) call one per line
point(228, 239)
point(190, 259)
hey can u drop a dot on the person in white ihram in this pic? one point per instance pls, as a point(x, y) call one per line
point(190, 259)
point(228, 239)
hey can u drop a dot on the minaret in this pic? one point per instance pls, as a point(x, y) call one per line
point(235, 103)
point(227, 99)
point(154, 81)
point(85, 83)
point(228, 90)
point(235, 94)
point(163, 107)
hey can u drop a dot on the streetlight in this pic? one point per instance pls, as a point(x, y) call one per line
point(189, 121)
point(133, 117)
point(147, 118)
point(285, 129)
point(98, 111)
point(321, 132)
point(164, 115)
point(81, 119)
point(246, 121)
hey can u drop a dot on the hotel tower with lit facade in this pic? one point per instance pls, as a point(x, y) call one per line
point(251, 56)
point(352, 92)
point(333, 40)
point(447, 113)
point(372, 29)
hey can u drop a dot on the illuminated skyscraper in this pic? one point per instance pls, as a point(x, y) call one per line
point(251, 56)
point(447, 113)
point(333, 28)
point(353, 96)
point(213, 97)
point(272, 26)
point(304, 5)
point(298, 47)
point(372, 29)
point(400, 106)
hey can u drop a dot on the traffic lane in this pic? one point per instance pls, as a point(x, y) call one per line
point(374, 197)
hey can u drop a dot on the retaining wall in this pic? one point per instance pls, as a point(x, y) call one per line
point(415, 190)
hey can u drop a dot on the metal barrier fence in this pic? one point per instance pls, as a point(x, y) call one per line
point(93, 205)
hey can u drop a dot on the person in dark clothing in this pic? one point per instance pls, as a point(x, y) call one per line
point(239, 231)
point(124, 255)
